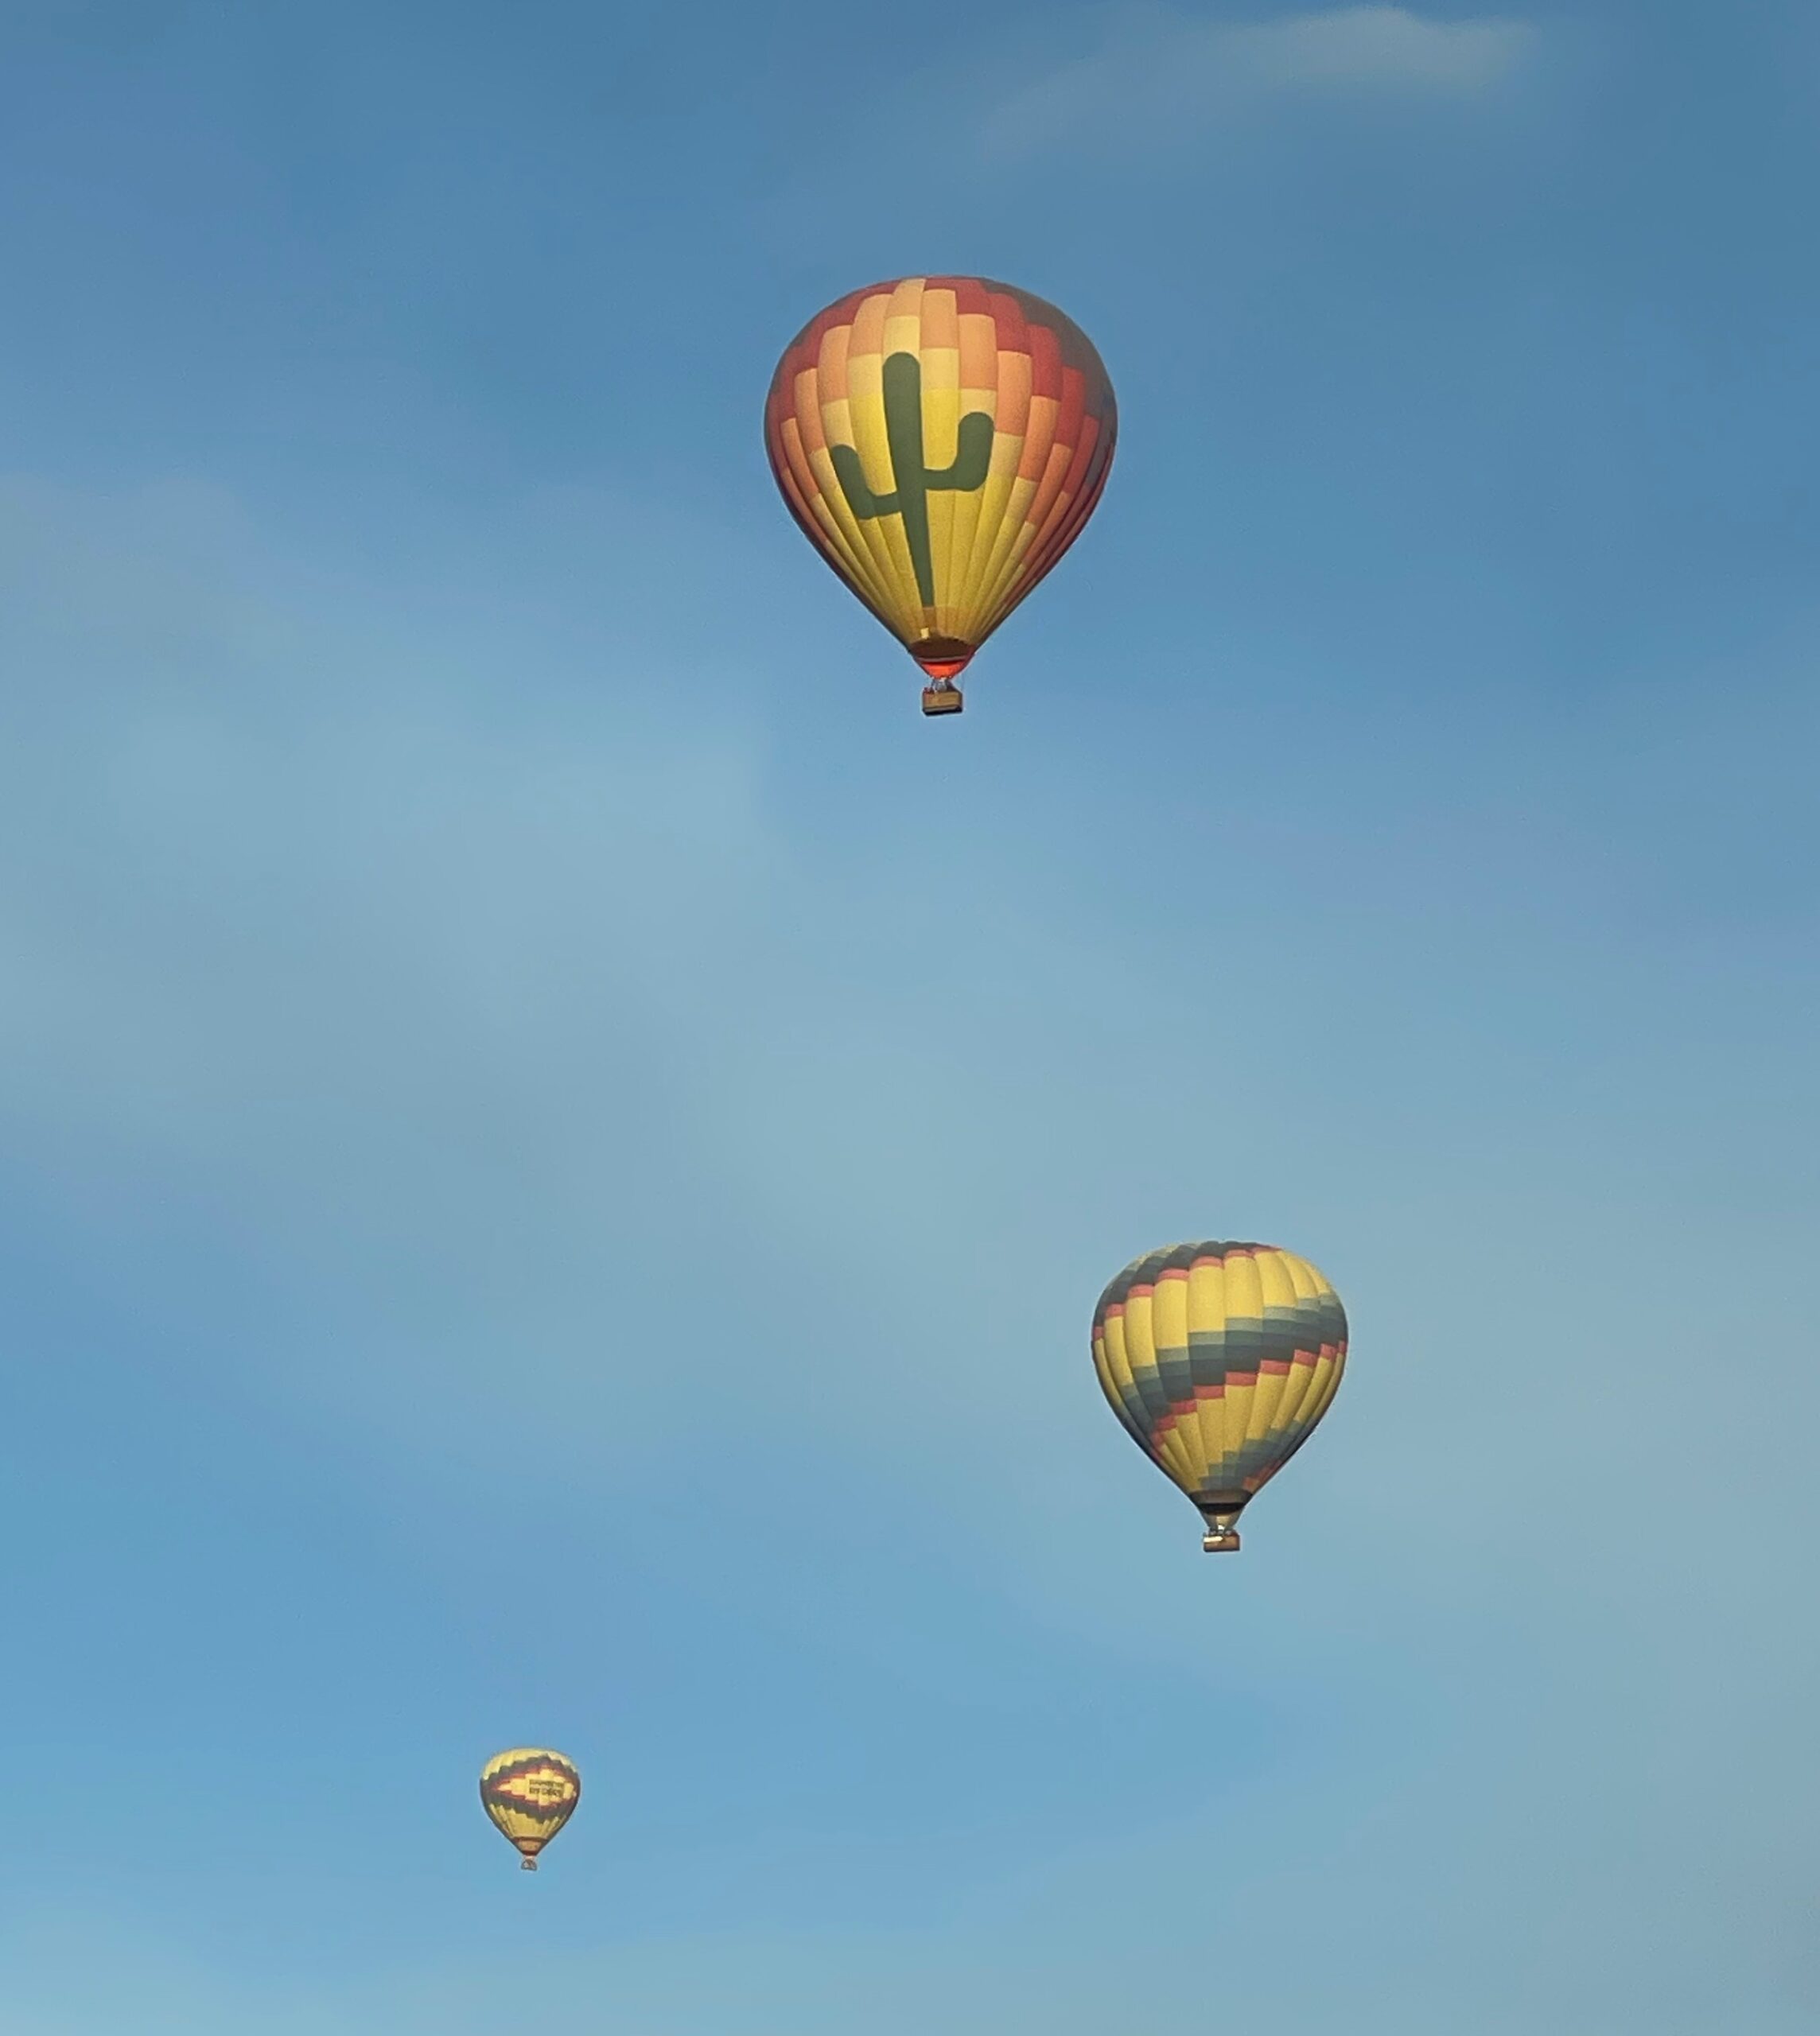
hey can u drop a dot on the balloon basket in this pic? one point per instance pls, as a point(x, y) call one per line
point(1220, 1542)
point(942, 699)
point(527, 1864)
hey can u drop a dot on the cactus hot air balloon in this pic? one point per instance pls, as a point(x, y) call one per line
point(941, 440)
point(1219, 1359)
point(530, 1793)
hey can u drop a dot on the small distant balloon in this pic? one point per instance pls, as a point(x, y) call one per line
point(941, 440)
point(530, 1793)
point(1219, 1359)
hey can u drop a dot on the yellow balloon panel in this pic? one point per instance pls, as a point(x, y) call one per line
point(530, 1793)
point(1219, 1358)
point(941, 440)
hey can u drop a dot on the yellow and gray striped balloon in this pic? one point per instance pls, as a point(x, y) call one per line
point(530, 1793)
point(1219, 1359)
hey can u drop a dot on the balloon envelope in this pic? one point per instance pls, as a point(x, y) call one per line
point(941, 440)
point(1219, 1359)
point(530, 1793)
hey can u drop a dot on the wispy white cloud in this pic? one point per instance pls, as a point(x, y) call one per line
point(1164, 75)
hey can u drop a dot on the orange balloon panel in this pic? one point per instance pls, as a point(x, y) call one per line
point(941, 440)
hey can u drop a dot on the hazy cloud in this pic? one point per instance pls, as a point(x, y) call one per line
point(1164, 75)
point(407, 1019)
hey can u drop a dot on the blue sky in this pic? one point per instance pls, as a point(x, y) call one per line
point(558, 1142)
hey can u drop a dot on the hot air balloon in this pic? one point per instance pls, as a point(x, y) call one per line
point(530, 1793)
point(941, 440)
point(1219, 1359)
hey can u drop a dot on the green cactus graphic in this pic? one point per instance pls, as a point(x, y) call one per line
point(915, 482)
